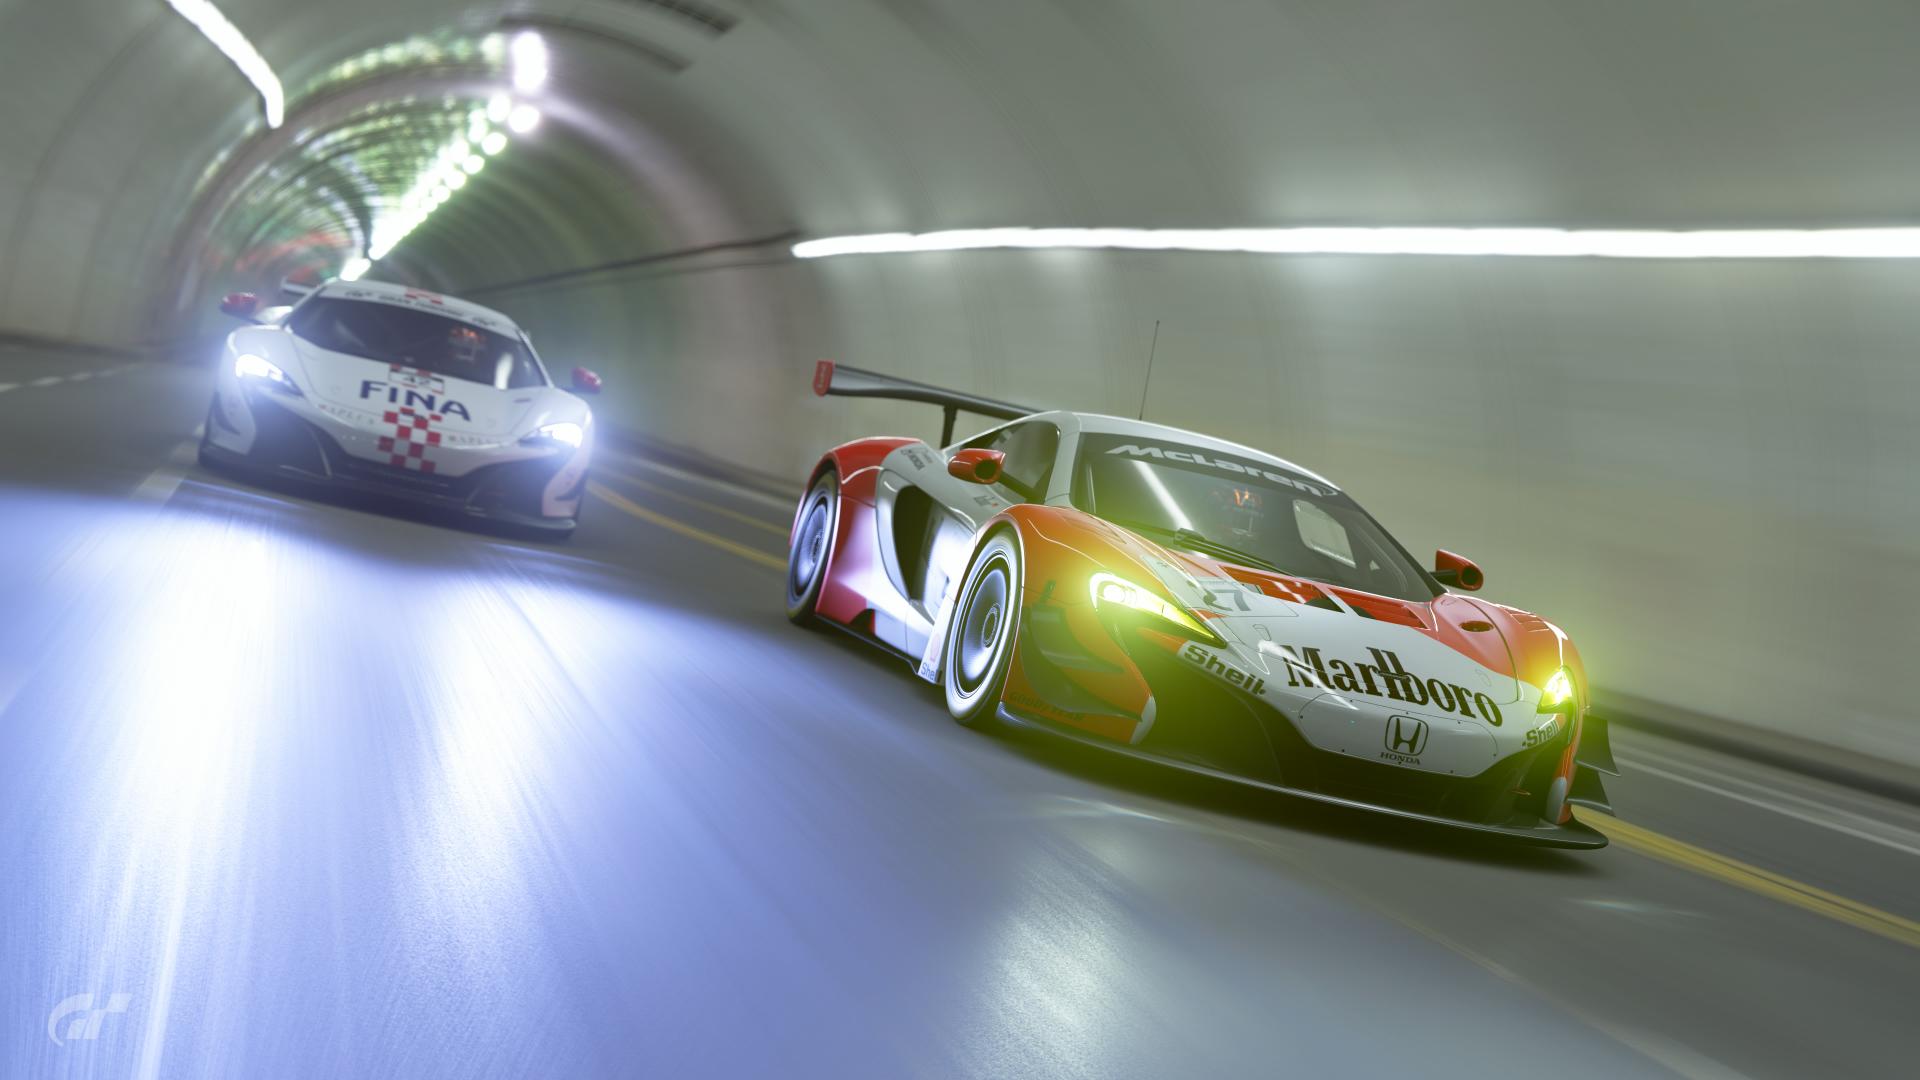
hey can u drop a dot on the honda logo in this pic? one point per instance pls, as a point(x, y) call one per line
point(1406, 735)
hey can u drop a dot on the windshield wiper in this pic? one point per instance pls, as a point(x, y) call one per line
point(1199, 541)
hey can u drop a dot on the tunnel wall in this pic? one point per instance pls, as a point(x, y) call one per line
point(1698, 469)
point(1701, 471)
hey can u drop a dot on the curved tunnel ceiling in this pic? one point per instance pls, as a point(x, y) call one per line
point(864, 116)
point(547, 173)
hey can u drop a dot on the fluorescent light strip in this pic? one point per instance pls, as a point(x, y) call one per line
point(529, 53)
point(1895, 243)
point(229, 40)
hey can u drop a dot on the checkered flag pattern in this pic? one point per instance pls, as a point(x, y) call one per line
point(412, 434)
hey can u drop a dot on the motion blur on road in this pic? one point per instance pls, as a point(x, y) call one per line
point(1617, 298)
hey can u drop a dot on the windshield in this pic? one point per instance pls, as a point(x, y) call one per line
point(1242, 510)
point(417, 339)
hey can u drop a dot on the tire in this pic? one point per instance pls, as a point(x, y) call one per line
point(815, 526)
point(986, 622)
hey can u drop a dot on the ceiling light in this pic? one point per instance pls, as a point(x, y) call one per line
point(230, 41)
point(528, 54)
point(1891, 243)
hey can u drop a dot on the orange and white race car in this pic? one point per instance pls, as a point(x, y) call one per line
point(1196, 602)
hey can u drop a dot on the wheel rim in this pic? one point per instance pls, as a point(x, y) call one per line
point(983, 625)
point(809, 548)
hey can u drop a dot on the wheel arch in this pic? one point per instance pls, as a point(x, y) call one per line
point(856, 466)
point(1060, 548)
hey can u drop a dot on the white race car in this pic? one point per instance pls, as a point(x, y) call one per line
point(402, 392)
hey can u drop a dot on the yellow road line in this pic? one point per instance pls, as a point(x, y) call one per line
point(777, 528)
point(621, 502)
point(1755, 880)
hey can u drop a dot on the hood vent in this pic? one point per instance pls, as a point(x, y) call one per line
point(1383, 609)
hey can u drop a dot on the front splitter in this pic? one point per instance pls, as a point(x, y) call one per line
point(1574, 834)
point(216, 455)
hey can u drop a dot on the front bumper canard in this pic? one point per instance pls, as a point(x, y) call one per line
point(290, 448)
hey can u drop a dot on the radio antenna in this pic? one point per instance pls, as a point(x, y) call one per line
point(1151, 349)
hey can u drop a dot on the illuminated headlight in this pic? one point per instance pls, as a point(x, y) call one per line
point(565, 432)
point(1557, 696)
point(1111, 593)
point(249, 366)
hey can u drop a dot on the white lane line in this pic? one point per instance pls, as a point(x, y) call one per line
point(162, 482)
point(46, 380)
point(6, 386)
point(80, 376)
point(1810, 812)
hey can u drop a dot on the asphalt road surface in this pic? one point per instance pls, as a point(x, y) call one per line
point(295, 788)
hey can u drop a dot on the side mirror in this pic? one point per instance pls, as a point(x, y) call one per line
point(1457, 570)
point(240, 305)
point(585, 382)
point(977, 466)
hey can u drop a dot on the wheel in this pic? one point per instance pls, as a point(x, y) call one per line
point(812, 547)
point(986, 617)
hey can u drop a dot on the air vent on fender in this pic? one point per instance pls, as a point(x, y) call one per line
point(1382, 608)
point(1281, 588)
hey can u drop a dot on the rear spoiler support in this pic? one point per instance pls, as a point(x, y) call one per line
point(840, 381)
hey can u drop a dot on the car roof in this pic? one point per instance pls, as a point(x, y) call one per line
point(422, 300)
point(1102, 424)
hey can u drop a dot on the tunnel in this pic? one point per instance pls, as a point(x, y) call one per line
point(1608, 297)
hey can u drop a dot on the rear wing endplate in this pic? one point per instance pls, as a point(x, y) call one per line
point(841, 381)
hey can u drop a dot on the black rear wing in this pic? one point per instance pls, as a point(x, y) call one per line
point(832, 378)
